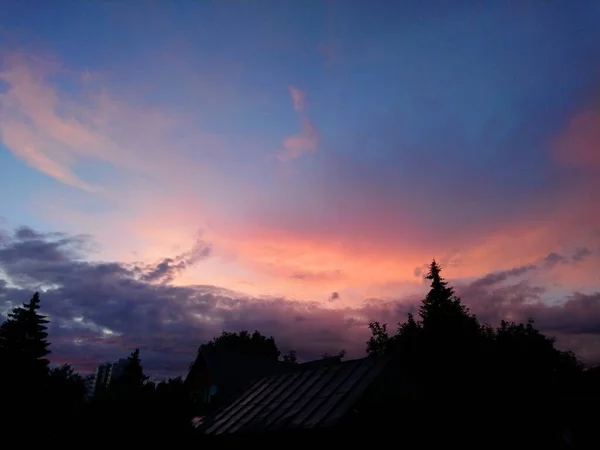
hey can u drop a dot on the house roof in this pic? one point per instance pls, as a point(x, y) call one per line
point(307, 397)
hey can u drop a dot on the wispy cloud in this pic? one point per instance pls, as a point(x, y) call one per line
point(307, 141)
point(167, 269)
point(56, 126)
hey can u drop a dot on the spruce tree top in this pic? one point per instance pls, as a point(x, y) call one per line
point(23, 339)
point(441, 307)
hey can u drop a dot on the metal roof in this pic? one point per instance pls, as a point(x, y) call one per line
point(232, 372)
point(304, 398)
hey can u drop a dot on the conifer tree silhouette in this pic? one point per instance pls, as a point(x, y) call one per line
point(24, 342)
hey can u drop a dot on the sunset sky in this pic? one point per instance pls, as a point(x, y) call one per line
point(172, 169)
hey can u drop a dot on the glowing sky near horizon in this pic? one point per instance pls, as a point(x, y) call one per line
point(315, 147)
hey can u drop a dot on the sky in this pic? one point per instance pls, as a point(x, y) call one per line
point(170, 170)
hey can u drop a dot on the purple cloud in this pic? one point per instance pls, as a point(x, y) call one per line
point(101, 310)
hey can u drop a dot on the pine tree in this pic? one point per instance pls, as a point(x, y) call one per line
point(441, 309)
point(23, 342)
point(133, 373)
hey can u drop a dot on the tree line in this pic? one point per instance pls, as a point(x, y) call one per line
point(56, 402)
point(510, 381)
point(511, 373)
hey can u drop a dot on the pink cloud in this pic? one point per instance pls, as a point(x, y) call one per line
point(298, 99)
point(146, 159)
point(307, 141)
point(54, 130)
point(167, 320)
point(358, 244)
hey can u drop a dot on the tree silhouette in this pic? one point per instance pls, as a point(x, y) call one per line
point(339, 355)
point(66, 380)
point(23, 341)
point(133, 376)
point(290, 357)
point(456, 360)
point(379, 342)
point(442, 311)
point(246, 343)
point(172, 406)
point(24, 374)
point(66, 398)
point(128, 401)
point(509, 381)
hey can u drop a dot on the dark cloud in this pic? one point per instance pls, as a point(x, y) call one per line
point(25, 233)
point(501, 276)
point(101, 310)
point(166, 270)
point(552, 259)
point(575, 322)
point(580, 254)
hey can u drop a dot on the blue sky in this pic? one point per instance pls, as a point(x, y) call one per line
point(318, 147)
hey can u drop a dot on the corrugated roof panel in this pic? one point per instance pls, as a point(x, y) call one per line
point(309, 382)
point(324, 410)
point(265, 401)
point(299, 399)
point(286, 402)
point(322, 403)
point(227, 411)
point(345, 372)
point(317, 402)
point(226, 414)
point(350, 397)
point(271, 411)
point(359, 370)
point(250, 408)
point(337, 404)
point(305, 403)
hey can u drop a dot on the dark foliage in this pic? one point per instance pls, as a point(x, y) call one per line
point(23, 342)
point(290, 357)
point(246, 343)
point(133, 378)
point(471, 383)
point(525, 383)
point(24, 378)
point(339, 355)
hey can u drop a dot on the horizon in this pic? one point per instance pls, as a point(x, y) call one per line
point(172, 171)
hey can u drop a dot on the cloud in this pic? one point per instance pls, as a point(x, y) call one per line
point(57, 126)
point(307, 141)
point(101, 310)
point(581, 253)
point(488, 170)
point(356, 222)
point(505, 295)
point(166, 270)
point(137, 166)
